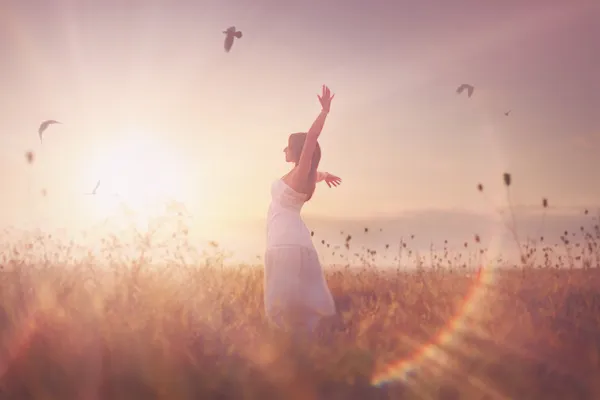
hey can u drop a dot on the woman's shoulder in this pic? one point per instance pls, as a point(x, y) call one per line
point(288, 181)
point(282, 189)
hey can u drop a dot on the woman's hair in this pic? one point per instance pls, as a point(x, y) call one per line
point(295, 146)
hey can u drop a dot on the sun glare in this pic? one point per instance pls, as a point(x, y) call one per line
point(137, 171)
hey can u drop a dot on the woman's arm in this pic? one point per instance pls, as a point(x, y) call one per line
point(310, 144)
point(330, 179)
point(305, 161)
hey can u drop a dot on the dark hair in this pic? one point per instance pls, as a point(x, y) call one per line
point(295, 146)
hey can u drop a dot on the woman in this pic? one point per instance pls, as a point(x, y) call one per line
point(296, 294)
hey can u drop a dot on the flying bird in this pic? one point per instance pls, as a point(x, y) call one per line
point(230, 33)
point(508, 112)
point(464, 86)
point(95, 189)
point(30, 157)
point(44, 125)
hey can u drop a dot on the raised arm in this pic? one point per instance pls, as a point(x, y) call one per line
point(304, 163)
point(310, 143)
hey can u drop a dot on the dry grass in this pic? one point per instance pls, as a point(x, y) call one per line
point(71, 328)
point(199, 332)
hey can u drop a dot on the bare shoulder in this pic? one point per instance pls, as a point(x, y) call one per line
point(291, 179)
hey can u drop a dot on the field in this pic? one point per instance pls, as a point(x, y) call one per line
point(72, 329)
point(104, 322)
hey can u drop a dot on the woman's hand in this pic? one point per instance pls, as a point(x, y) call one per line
point(325, 99)
point(332, 180)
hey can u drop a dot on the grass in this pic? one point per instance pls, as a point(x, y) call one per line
point(71, 329)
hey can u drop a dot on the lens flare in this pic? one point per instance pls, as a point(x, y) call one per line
point(431, 353)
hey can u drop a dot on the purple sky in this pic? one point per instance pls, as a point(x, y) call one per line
point(399, 135)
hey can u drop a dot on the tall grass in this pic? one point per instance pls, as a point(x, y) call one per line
point(77, 327)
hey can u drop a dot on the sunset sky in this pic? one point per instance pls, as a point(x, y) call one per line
point(153, 106)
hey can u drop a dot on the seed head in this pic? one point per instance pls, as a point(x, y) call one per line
point(507, 179)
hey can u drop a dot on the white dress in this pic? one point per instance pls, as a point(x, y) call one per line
point(295, 286)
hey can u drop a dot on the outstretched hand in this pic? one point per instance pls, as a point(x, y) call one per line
point(332, 180)
point(325, 99)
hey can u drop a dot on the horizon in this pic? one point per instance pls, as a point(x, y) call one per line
point(425, 231)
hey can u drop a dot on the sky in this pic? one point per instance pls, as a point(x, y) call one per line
point(151, 105)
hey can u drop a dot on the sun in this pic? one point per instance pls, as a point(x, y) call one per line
point(139, 172)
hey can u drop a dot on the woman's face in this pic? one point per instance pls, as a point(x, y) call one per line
point(294, 147)
point(288, 154)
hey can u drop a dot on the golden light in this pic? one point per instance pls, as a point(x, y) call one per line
point(137, 171)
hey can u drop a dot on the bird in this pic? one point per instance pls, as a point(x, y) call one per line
point(95, 189)
point(44, 125)
point(464, 86)
point(30, 157)
point(230, 34)
point(508, 112)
